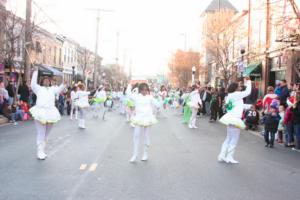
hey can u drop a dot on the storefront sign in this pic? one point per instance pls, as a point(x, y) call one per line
point(242, 66)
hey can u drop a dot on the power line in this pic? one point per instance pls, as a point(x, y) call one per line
point(46, 14)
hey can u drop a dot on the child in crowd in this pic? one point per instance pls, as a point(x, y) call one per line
point(281, 124)
point(271, 121)
point(252, 118)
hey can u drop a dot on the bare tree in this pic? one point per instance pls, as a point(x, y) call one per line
point(13, 33)
point(220, 34)
point(181, 67)
point(84, 61)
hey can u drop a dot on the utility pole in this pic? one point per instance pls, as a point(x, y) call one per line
point(266, 70)
point(95, 77)
point(249, 28)
point(28, 41)
point(95, 74)
point(117, 47)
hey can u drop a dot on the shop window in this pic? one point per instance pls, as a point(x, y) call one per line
point(38, 47)
point(59, 56)
point(54, 58)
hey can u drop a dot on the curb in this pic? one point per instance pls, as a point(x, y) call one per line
point(281, 144)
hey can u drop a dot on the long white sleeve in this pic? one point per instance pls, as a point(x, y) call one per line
point(245, 93)
point(129, 93)
point(34, 85)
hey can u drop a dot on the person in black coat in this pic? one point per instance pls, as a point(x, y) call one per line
point(11, 92)
point(24, 92)
point(295, 109)
point(284, 92)
point(252, 118)
point(271, 121)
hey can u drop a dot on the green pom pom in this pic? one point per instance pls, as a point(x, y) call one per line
point(229, 106)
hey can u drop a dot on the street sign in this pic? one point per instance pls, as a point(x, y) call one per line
point(242, 66)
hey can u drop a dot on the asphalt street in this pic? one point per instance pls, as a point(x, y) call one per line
point(93, 164)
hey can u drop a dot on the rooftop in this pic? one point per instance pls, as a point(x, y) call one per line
point(215, 5)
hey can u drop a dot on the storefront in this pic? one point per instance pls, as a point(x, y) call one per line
point(278, 67)
point(254, 71)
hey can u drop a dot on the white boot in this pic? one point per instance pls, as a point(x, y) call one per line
point(40, 152)
point(190, 125)
point(79, 123)
point(145, 156)
point(194, 124)
point(135, 152)
point(230, 154)
point(222, 155)
point(82, 123)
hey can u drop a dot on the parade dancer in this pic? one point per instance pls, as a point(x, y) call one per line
point(187, 111)
point(130, 105)
point(74, 106)
point(163, 94)
point(99, 99)
point(44, 112)
point(195, 104)
point(143, 119)
point(235, 108)
point(83, 104)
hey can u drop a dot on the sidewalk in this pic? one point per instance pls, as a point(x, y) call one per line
point(3, 121)
point(258, 134)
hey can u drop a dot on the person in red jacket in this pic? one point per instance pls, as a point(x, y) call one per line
point(288, 122)
point(268, 99)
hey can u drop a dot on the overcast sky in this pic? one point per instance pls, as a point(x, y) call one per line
point(150, 30)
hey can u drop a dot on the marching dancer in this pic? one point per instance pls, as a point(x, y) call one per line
point(44, 112)
point(195, 104)
point(74, 99)
point(99, 99)
point(187, 111)
point(235, 107)
point(83, 104)
point(163, 94)
point(130, 105)
point(143, 119)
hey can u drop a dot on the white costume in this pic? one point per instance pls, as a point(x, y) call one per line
point(74, 104)
point(100, 98)
point(234, 123)
point(83, 103)
point(44, 112)
point(194, 104)
point(143, 119)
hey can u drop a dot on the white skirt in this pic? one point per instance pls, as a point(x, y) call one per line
point(144, 120)
point(45, 115)
point(228, 119)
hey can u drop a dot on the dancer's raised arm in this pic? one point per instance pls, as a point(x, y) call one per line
point(34, 85)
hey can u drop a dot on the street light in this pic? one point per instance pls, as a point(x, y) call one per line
point(193, 74)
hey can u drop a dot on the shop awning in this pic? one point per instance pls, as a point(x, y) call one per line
point(253, 69)
point(54, 71)
point(43, 71)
